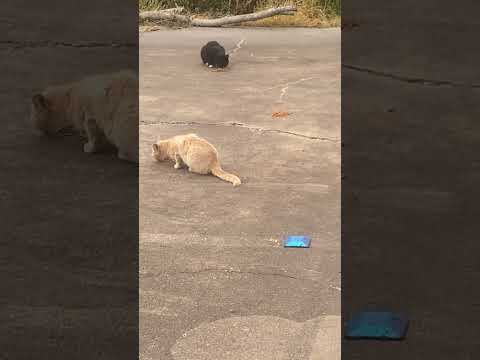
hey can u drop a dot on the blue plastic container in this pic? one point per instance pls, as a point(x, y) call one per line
point(377, 325)
point(297, 241)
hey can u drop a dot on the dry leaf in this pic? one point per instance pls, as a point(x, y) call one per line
point(280, 114)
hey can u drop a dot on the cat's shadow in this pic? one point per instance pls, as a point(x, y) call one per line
point(67, 141)
point(216, 70)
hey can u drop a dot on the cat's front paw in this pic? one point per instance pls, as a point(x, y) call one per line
point(89, 147)
point(177, 166)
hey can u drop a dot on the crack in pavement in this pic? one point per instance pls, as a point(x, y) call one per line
point(287, 85)
point(242, 125)
point(410, 80)
point(214, 270)
point(49, 43)
point(27, 310)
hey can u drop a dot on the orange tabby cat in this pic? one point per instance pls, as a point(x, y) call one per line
point(101, 107)
point(196, 153)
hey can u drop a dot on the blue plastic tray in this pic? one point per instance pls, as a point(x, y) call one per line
point(377, 325)
point(297, 241)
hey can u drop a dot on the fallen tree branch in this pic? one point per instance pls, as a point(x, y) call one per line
point(243, 18)
point(169, 14)
point(166, 14)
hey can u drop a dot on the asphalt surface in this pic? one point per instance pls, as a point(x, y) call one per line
point(215, 281)
point(69, 233)
point(69, 222)
point(410, 175)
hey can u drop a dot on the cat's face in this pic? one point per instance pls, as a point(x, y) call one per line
point(44, 118)
point(159, 151)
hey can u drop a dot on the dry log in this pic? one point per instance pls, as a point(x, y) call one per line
point(169, 14)
point(228, 20)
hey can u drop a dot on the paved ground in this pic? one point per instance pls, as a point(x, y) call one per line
point(411, 164)
point(68, 241)
point(215, 282)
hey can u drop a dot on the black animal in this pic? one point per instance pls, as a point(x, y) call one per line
point(213, 55)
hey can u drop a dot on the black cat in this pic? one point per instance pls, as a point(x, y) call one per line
point(213, 55)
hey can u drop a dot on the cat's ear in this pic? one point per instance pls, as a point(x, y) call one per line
point(39, 101)
point(155, 148)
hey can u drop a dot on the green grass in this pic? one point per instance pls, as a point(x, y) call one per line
point(316, 13)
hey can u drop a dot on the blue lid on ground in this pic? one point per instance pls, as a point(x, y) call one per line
point(299, 241)
point(377, 325)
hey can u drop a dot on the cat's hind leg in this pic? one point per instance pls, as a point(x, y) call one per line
point(93, 135)
point(199, 170)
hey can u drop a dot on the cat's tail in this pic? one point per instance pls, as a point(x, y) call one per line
point(220, 173)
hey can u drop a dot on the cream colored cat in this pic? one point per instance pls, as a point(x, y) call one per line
point(196, 153)
point(102, 107)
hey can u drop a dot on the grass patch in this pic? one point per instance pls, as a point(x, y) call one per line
point(310, 13)
point(213, 7)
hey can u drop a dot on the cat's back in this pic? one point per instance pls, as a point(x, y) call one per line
point(182, 139)
point(99, 92)
point(212, 48)
point(195, 143)
point(206, 51)
point(219, 50)
point(112, 98)
point(212, 44)
point(97, 84)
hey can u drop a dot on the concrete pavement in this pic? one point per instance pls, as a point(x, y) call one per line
point(215, 281)
point(410, 189)
point(68, 233)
